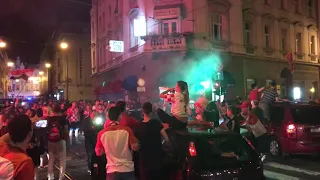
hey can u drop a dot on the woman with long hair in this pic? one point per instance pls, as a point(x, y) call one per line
point(179, 98)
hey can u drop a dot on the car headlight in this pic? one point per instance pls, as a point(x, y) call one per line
point(98, 121)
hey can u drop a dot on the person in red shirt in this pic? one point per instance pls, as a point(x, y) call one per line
point(125, 119)
point(15, 163)
point(254, 93)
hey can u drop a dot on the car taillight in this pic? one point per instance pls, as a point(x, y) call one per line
point(291, 131)
point(192, 149)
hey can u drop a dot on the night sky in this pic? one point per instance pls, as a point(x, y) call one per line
point(27, 24)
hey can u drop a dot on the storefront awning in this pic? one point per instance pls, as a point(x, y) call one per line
point(130, 83)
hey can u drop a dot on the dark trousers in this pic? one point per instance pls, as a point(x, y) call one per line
point(151, 174)
point(90, 143)
point(171, 120)
point(263, 143)
point(120, 176)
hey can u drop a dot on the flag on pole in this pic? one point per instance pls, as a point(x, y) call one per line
point(289, 58)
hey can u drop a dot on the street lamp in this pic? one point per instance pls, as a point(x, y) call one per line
point(3, 44)
point(64, 46)
point(48, 65)
point(10, 64)
point(41, 80)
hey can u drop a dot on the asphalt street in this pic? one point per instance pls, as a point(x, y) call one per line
point(296, 167)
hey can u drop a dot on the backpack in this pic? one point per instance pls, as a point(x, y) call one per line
point(54, 129)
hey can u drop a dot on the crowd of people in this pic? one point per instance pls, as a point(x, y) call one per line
point(29, 135)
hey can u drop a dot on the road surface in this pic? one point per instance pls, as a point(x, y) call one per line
point(291, 168)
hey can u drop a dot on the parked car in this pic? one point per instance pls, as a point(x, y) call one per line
point(199, 154)
point(294, 128)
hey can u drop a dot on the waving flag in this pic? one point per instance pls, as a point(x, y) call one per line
point(289, 58)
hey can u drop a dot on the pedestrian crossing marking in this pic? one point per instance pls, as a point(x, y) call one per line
point(290, 168)
point(278, 176)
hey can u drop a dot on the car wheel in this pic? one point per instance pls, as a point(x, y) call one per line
point(274, 147)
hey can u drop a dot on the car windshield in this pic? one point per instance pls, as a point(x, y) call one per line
point(309, 115)
point(218, 151)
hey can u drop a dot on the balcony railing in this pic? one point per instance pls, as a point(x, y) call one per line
point(165, 43)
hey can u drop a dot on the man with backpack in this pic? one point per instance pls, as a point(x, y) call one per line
point(57, 137)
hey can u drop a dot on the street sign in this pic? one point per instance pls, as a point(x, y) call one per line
point(116, 46)
point(219, 75)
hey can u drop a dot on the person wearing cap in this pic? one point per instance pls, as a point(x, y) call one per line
point(245, 108)
point(200, 106)
point(200, 119)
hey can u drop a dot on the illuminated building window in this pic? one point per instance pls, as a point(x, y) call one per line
point(133, 40)
point(299, 42)
point(312, 45)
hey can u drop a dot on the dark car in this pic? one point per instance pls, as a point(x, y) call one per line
point(294, 128)
point(206, 154)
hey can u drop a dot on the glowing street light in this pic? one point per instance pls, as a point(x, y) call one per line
point(2, 44)
point(48, 65)
point(10, 64)
point(64, 45)
point(312, 90)
point(41, 73)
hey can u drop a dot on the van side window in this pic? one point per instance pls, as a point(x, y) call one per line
point(277, 115)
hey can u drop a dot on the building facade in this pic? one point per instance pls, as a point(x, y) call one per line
point(250, 38)
point(70, 68)
point(26, 82)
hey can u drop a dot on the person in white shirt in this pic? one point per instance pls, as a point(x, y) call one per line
point(179, 99)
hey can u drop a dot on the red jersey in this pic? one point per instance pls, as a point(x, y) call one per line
point(254, 95)
point(15, 163)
